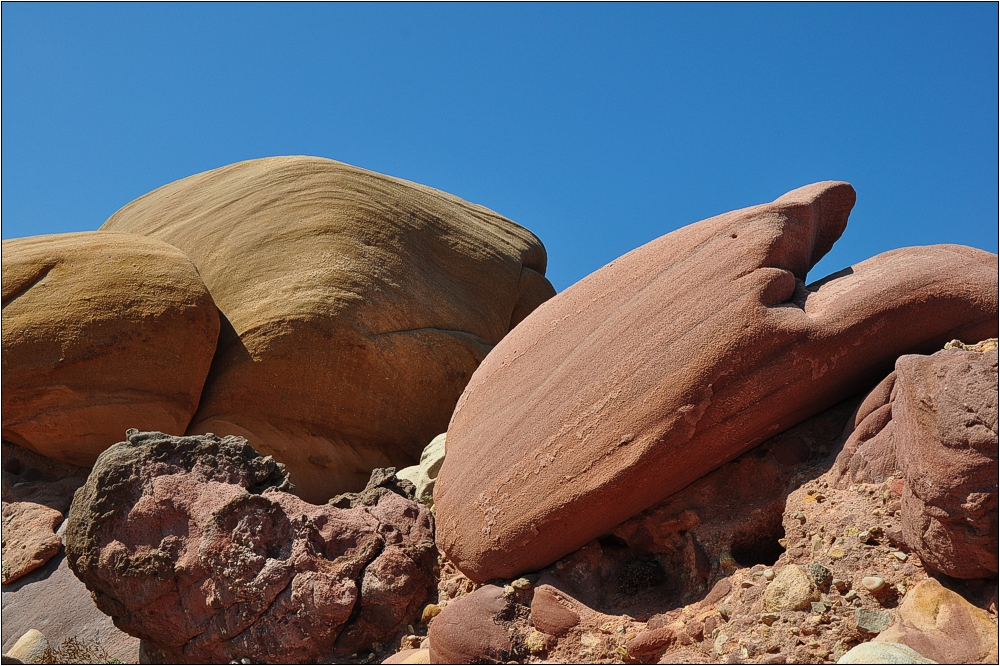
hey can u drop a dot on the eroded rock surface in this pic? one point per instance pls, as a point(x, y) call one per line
point(676, 358)
point(193, 544)
point(101, 332)
point(357, 307)
point(934, 421)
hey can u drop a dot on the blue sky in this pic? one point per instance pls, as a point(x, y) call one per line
point(598, 126)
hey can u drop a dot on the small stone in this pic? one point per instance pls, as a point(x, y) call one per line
point(864, 536)
point(768, 574)
point(817, 543)
point(882, 653)
point(521, 584)
point(430, 611)
point(792, 589)
point(872, 621)
point(589, 640)
point(769, 618)
point(799, 516)
point(30, 647)
point(746, 583)
point(901, 589)
point(838, 584)
point(899, 555)
point(508, 590)
point(872, 583)
point(818, 607)
point(820, 575)
point(851, 595)
point(535, 642)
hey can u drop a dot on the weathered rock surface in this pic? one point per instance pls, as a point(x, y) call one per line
point(941, 625)
point(934, 419)
point(471, 630)
point(101, 332)
point(30, 648)
point(424, 475)
point(192, 544)
point(791, 590)
point(883, 653)
point(677, 358)
point(710, 608)
point(29, 537)
point(357, 307)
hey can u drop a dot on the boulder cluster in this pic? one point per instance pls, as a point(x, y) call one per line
point(425, 455)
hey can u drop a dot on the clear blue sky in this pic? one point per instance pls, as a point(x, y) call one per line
point(599, 127)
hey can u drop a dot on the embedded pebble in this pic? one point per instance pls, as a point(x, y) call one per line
point(872, 583)
point(872, 621)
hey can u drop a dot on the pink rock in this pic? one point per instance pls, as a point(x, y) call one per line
point(29, 538)
point(191, 544)
point(945, 416)
point(649, 642)
point(553, 611)
point(935, 419)
point(677, 358)
point(469, 630)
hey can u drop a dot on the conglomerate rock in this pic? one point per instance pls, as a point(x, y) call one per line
point(676, 358)
point(101, 332)
point(192, 544)
point(357, 307)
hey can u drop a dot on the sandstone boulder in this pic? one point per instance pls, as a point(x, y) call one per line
point(101, 332)
point(935, 420)
point(941, 625)
point(470, 630)
point(883, 653)
point(676, 358)
point(29, 538)
point(424, 475)
point(191, 544)
point(357, 307)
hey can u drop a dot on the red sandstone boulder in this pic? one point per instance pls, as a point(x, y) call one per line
point(101, 332)
point(934, 420)
point(357, 307)
point(470, 630)
point(676, 358)
point(191, 544)
point(29, 538)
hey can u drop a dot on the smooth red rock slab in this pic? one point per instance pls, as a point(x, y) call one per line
point(192, 544)
point(674, 359)
point(945, 416)
point(101, 332)
point(469, 630)
point(356, 307)
point(29, 538)
point(943, 626)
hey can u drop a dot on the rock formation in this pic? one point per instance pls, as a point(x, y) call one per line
point(934, 420)
point(191, 544)
point(101, 332)
point(675, 358)
point(357, 307)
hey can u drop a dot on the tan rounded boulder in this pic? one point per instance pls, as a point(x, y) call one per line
point(358, 307)
point(102, 332)
point(676, 358)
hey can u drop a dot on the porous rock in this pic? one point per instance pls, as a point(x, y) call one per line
point(470, 630)
point(357, 307)
point(101, 332)
point(934, 419)
point(424, 475)
point(676, 358)
point(943, 626)
point(192, 544)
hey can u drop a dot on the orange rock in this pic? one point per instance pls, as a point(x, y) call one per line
point(676, 358)
point(29, 538)
point(102, 332)
point(941, 625)
point(357, 307)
